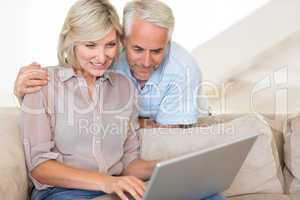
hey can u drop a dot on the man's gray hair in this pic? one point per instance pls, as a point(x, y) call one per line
point(153, 11)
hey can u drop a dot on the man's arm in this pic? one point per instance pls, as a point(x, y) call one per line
point(149, 123)
point(30, 79)
point(140, 168)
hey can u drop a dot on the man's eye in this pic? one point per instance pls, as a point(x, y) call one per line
point(157, 51)
point(137, 49)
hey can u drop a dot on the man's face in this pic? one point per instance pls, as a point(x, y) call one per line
point(145, 48)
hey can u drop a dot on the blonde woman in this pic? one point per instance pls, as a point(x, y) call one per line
point(79, 131)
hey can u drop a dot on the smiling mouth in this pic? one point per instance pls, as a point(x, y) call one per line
point(98, 65)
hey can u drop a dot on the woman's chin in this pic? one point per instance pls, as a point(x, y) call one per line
point(98, 73)
point(95, 73)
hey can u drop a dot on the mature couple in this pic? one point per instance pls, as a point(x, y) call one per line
point(79, 119)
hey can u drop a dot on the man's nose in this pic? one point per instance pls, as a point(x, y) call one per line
point(147, 59)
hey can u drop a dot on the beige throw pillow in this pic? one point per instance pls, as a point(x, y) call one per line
point(292, 155)
point(261, 171)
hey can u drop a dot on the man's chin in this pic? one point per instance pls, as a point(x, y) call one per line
point(142, 78)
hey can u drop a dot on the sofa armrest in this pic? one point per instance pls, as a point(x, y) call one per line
point(13, 176)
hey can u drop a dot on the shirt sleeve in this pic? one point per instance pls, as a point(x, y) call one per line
point(179, 105)
point(36, 133)
point(132, 145)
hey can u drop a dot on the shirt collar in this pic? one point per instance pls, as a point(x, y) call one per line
point(108, 76)
point(67, 72)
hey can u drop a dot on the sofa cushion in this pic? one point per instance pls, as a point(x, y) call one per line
point(292, 155)
point(292, 184)
point(275, 121)
point(261, 172)
point(261, 197)
point(295, 196)
point(13, 178)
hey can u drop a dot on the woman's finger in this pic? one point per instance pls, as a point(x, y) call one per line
point(136, 185)
point(29, 90)
point(140, 182)
point(127, 187)
point(38, 74)
point(34, 83)
point(121, 194)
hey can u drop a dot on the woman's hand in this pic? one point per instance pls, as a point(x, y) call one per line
point(124, 184)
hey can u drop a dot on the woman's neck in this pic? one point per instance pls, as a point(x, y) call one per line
point(90, 80)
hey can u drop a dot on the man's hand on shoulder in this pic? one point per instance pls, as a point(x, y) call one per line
point(30, 79)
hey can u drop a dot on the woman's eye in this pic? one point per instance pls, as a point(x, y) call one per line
point(90, 45)
point(112, 44)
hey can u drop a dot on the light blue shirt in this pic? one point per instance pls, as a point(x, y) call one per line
point(170, 94)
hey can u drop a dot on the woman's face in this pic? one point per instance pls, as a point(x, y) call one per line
point(95, 57)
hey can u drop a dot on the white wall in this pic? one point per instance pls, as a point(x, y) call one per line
point(269, 85)
point(222, 56)
point(30, 29)
point(254, 65)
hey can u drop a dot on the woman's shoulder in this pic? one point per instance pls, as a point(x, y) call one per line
point(59, 70)
point(57, 75)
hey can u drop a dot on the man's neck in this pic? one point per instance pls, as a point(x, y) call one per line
point(141, 83)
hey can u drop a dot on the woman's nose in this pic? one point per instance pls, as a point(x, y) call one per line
point(100, 55)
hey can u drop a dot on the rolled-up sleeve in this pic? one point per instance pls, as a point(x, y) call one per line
point(131, 145)
point(36, 133)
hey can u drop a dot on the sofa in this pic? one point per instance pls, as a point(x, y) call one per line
point(271, 170)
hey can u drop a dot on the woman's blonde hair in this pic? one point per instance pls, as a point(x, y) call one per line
point(87, 20)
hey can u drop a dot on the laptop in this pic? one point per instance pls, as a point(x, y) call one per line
point(199, 174)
